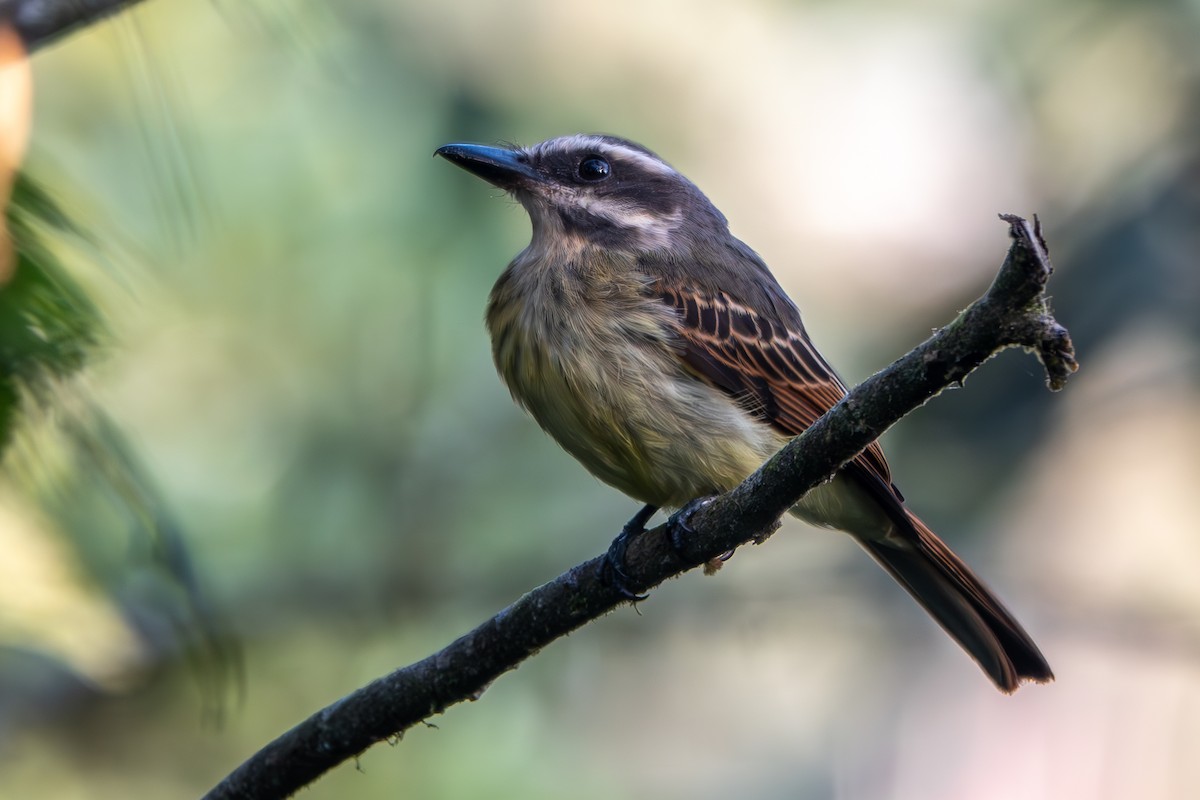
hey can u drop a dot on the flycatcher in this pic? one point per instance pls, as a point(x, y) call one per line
point(659, 350)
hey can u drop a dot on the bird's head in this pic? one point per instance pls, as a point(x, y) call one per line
point(599, 191)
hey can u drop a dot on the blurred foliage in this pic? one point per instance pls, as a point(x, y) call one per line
point(287, 425)
point(63, 453)
point(47, 322)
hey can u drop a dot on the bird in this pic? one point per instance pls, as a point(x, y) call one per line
point(659, 350)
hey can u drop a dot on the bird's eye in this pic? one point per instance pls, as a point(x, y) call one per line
point(594, 168)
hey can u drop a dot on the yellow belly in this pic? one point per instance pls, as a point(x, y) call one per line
point(662, 445)
point(612, 391)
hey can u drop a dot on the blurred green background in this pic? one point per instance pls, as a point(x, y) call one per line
point(289, 466)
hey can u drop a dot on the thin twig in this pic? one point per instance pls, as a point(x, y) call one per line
point(40, 22)
point(1013, 313)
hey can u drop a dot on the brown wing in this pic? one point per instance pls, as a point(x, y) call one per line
point(776, 373)
point(771, 368)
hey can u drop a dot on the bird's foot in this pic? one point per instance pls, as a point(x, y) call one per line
point(612, 570)
point(679, 530)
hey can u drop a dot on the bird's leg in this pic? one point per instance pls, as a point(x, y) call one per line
point(613, 569)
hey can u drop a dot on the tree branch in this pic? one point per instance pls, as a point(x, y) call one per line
point(1013, 313)
point(40, 22)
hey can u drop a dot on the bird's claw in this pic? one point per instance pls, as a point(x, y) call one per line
point(678, 529)
point(612, 569)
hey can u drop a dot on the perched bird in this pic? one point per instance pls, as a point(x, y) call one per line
point(659, 350)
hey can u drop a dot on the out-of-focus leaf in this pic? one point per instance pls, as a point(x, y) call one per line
point(49, 328)
point(47, 323)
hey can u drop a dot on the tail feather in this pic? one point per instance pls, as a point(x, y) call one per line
point(967, 610)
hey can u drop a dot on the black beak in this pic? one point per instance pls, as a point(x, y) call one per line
point(499, 166)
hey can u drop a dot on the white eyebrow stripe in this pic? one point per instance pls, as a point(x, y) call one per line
point(583, 141)
point(646, 162)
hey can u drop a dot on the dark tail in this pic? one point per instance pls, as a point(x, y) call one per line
point(961, 604)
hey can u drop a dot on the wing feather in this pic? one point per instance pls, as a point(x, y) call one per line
point(771, 368)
